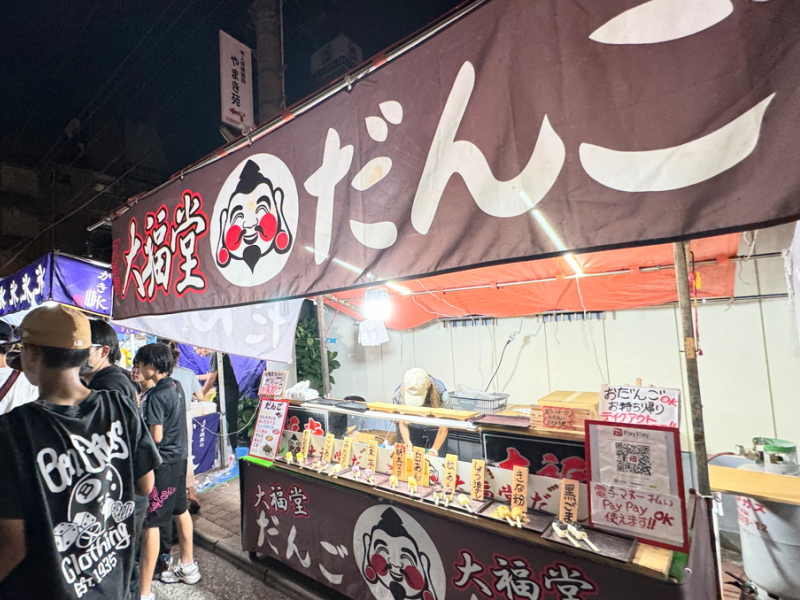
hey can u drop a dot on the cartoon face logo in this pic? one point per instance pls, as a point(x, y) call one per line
point(254, 223)
point(396, 557)
point(294, 444)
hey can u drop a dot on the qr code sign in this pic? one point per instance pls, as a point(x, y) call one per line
point(633, 458)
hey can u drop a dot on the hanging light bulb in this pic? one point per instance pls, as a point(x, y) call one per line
point(376, 304)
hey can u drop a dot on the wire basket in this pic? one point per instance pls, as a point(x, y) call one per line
point(490, 405)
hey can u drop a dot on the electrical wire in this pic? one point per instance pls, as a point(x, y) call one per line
point(589, 332)
point(503, 353)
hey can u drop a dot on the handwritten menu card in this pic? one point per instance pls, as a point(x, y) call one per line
point(272, 384)
point(477, 479)
point(519, 487)
point(640, 405)
point(568, 508)
point(266, 438)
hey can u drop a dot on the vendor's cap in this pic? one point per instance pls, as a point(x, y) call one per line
point(56, 326)
point(416, 382)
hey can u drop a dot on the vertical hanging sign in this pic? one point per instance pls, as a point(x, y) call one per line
point(236, 83)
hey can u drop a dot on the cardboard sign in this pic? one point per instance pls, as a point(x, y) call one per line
point(640, 405)
point(570, 494)
point(477, 478)
point(557, 417)
point(519, 487)
point(399, 462)
point(268, 432)
point(272, 384)
point(450, 468)
point(327, 450)
point(347, 447)
point(306, 442)
point(372, 456)
point(658, 519)
point(418, 465)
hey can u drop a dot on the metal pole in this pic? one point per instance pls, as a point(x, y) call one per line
point(223, 421)
point(323, 347)
point(692, 377)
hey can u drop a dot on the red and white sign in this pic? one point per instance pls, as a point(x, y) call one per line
point(267, 435)
point(236, 82)
point(653, 517)
point(640, 405)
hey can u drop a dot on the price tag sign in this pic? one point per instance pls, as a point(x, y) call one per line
point(268, 432)
point(418, 465)
point(272, 384)
point(372, 455)
point(477, 479)
point(347, 448)
point(557, 417)
point(450, 477)
point(568, 508)
point(399, 463)
point(519, 487)
point(327, 450)
point(306, 442)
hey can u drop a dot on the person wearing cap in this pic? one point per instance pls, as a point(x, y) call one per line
point(15, 389)
point(165, 415)
point(101, 371)
point(420, 389)
point(72, 464)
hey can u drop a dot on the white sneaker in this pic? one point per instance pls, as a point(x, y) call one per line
point(150, 597)
point(182, 573)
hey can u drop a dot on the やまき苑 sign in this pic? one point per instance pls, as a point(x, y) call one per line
point(408, 172)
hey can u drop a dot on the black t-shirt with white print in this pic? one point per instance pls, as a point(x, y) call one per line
point(69, 473)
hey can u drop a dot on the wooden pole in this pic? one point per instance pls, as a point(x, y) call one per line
point(223, 421)
point(690, 356)
point(323, 347)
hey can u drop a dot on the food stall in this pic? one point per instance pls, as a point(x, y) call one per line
point(508, 131)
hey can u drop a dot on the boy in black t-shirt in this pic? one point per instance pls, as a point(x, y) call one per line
point(165, 415)
point(71, 463)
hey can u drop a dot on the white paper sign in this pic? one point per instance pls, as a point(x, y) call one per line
point(268, 433)
point(640, 405)
point(236, 82)
point(645, 515)
point(638, 458)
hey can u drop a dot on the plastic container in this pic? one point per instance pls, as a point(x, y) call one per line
point(487, 403)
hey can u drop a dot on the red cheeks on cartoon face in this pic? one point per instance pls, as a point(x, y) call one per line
point(378, 564)
point(268, 227)
point(233, 238)
point(413, 577)
point(223, 256)
point(282, 240)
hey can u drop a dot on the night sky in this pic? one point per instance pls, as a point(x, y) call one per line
point(156, 61)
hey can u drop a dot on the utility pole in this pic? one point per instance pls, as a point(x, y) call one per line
point(267, 18)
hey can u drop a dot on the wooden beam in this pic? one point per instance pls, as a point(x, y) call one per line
point(757, 484)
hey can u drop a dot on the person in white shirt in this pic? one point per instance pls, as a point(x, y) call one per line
point(15, 389)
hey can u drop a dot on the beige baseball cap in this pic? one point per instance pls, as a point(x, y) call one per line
point(56, 326)
point(416, 382)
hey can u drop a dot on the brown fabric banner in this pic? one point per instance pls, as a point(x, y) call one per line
point(526, 128)
point(365, 547)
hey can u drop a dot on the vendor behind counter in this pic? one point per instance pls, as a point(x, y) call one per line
point(420, 389)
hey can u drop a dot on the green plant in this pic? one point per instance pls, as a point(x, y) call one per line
point(247, 408)
point(308, 356)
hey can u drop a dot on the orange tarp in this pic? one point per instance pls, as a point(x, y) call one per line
point(631, 289)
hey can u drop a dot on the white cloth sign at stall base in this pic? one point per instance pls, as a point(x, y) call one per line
point(264, 331)
point(270, 421)
point(636, 482)
point(640, 405)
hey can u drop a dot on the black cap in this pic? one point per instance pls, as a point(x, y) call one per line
point(14, 360)
point(7, 333)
